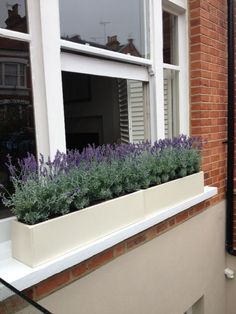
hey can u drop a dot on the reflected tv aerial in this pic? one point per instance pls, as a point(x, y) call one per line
point(104, 24)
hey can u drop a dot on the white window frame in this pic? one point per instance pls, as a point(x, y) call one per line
point(99, 52)
point(46, 76)
point(156, 70)
point(47, 62)
point(150, 70)
point(95, 66)
point(183, 62)
point(49, 121)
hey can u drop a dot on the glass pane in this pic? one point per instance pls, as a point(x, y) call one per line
point(11, 80)
point(171, 103)
point(22, 69)
point(22, 81)
point(101, 110)
point(1, 74)
point(170, 39)
point(13, 15)
point(17, 133)
point(120, 26)
point(11, 68)
point(13, 301)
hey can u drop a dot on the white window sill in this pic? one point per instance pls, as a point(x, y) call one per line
point(22, 276)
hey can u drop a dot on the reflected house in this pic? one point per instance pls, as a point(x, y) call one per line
point(16, 110)
point(112, 44)
point(128, 48)
point(14, 21)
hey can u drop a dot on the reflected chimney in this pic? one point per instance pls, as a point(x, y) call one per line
point(15, 21)
point(112, 42)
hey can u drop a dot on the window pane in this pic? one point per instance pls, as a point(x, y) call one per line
point(22, 81)
point(13, 15)
point(11, 81)
point(120, 26)
point(101, 110)
point(11, 69)
point(22, 69)
point(171, 103)
point(11, 301)
point(1, 74)
point(170, 39)
point(17, 134)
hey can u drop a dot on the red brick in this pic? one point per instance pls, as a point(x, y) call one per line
point(29, 293)
point(79, 270)
point(172, 222)
point(162, 227)
point(151, 233)
point(3, 309)
point(136, 240)
point(182, 216)
point(119, 249)
point(51, 284)
point(100, 259)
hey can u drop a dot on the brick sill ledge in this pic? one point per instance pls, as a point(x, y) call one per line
point(21, 276)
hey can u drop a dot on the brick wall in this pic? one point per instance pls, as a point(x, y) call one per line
point(208, 92)
point(208, 86)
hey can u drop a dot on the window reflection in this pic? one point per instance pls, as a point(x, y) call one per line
point(171, 103)
point(101, 110)
point(17, 135)
point(119, 26)
point(13, 15)
point(170, 48)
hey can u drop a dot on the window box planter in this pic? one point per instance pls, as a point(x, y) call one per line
point(40, 243)
point(43, 242)
point(166, 195)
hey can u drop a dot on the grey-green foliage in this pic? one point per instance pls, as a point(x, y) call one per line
point(36, 201)
point(44, 196)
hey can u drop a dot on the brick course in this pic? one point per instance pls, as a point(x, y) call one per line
point(208, 87)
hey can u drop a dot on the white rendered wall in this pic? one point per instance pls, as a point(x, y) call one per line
point(164, 276)
point(231, 285)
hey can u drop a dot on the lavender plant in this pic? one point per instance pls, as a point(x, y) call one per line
point(47, 188)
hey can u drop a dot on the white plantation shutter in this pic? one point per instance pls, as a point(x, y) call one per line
point(136, 111)
point(168, 110)
point(132, 111)
point(166, 121)
point(124, 114)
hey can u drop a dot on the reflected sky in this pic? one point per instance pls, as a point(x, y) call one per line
point(94, 20)
point(6, 5)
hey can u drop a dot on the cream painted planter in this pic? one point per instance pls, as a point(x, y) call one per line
point(40, 243)
point(43, 242)
point(171, 193)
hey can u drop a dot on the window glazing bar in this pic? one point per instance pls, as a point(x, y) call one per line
point(14, 35)
point(86, 49)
